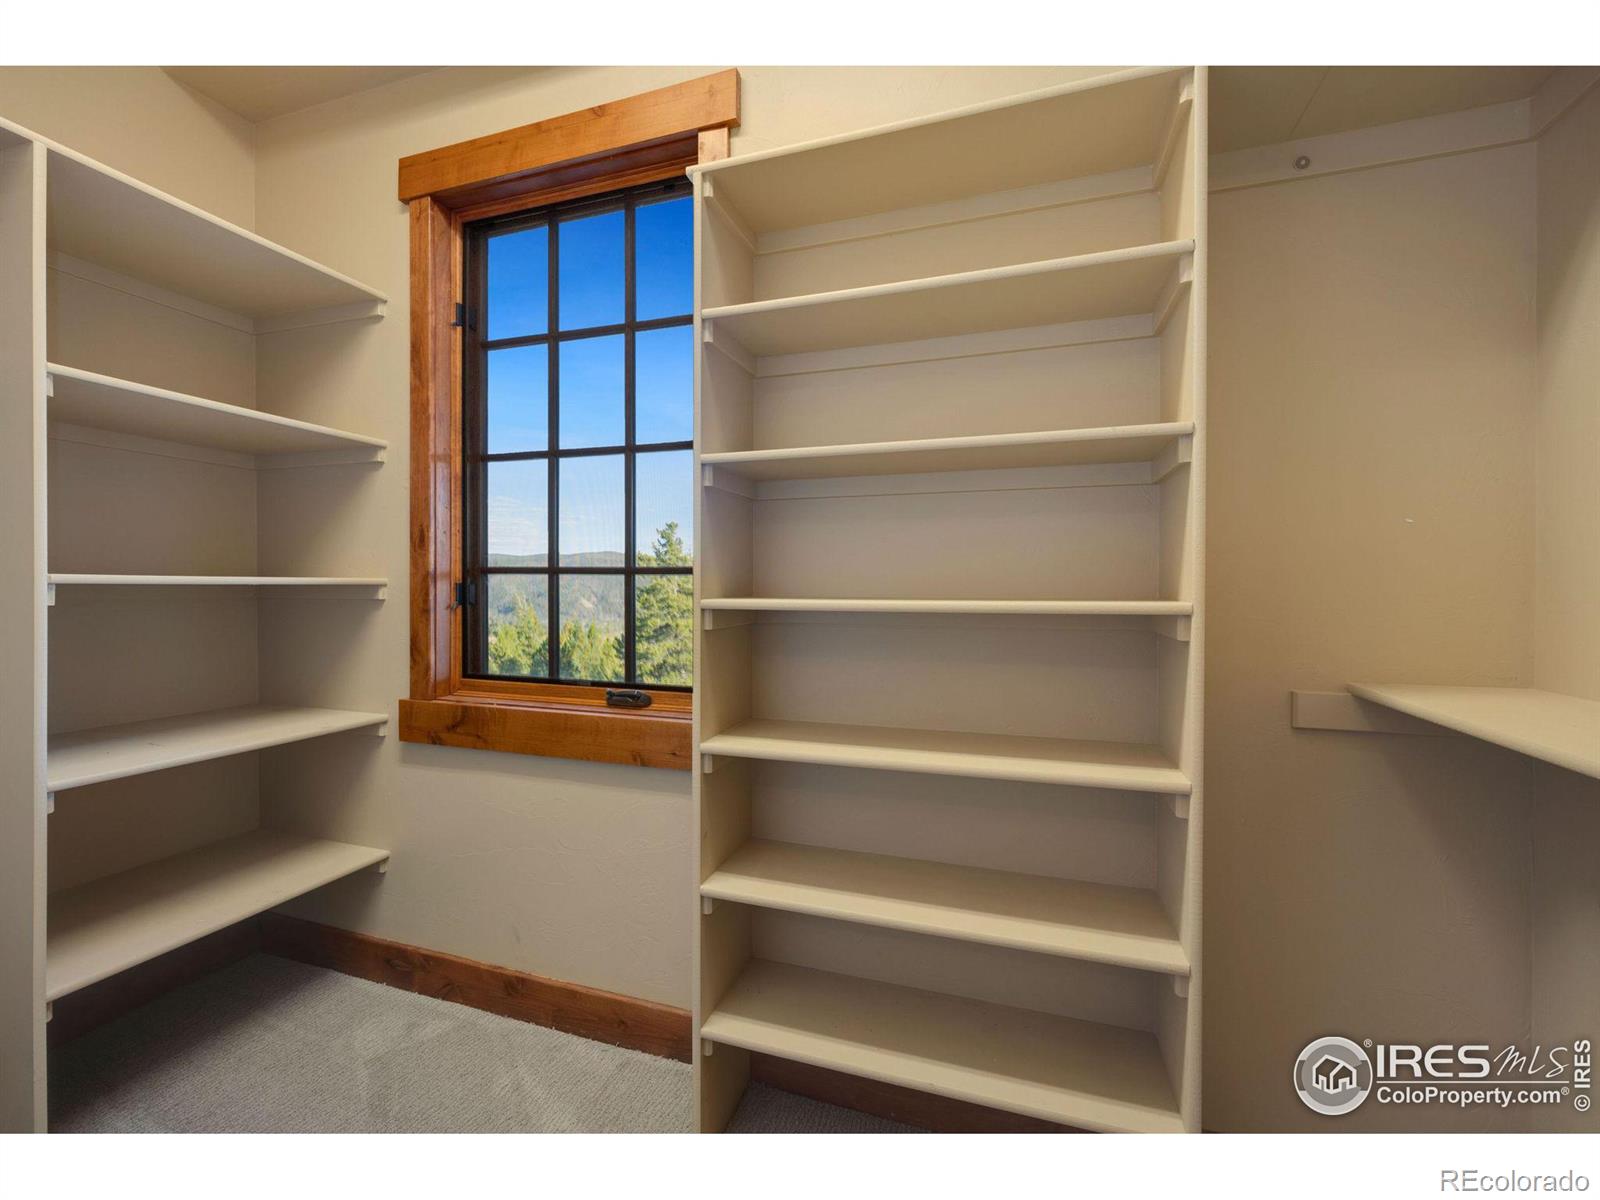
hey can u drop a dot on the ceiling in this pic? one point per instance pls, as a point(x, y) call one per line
point(1250, 106)
point(261, 93)
point(1257, 106)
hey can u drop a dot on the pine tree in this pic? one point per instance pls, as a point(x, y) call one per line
point(664, 614)
point(588, 652)
point(520, 646)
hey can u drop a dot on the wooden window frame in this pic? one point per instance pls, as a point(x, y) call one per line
point(637, 140)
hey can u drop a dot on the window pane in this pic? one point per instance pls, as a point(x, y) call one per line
point(663, 236)
point(518, 609)
point(518, 514)
point(593, 411)
point(664, 487)
point(519, 283)
point(591, 627)
point(519, 400)
point(663, 624)
point(592, 533)
point(664, 385)
point(590, 257)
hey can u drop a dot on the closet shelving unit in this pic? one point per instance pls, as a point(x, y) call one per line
point(951, 406)
point(124, 470)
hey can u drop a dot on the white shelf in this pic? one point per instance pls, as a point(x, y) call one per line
point(1094, 127)
point(118, 751)
point(1053, 608)
point(107, 926)
point(81, 397)
point(363, 588)
point(1100, 923)
point(1000, 451)
point(1112, 283)
point(1123, 766)
point(1564, 730)
point(1077, 1073)
point(114, 221)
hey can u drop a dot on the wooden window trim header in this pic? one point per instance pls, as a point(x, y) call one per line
point(625, 134)
point(614, 145)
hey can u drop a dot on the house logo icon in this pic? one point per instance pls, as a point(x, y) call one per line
point(1333, 1076)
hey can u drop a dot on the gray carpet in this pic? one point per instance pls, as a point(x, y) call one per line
point(272, 1046)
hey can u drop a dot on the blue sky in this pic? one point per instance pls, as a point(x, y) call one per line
point(591, 277)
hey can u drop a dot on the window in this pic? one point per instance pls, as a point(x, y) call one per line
point(552, 459)
point(578, 419)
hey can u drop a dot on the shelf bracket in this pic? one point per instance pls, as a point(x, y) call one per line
point(707, 1047)
point(1180, 986)
point(49, 803)
point(49, 1011)
point(726, 618)
point(381, 868)
point(730, 349)
point(1182, 277)
point(50, 595)
point(1179, 806)
point(720, 477)
point(1179, 454)
point(49, 384)
point(1176, 628)
point(380, 730)
point(706, 764)
point(1183, 102)
point(708, 905)
point(1350, 714)
point(715, 203)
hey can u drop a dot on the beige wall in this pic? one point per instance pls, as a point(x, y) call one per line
point(1371, 517)
point(1566, 895)
point(572, 870)
point(141, 122)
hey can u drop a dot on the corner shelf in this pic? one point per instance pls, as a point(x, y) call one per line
point(999, 451)
point(114, 923)
point(1078, 1073)
point(1111, 283)
point(1094, 922)
point(1124, 766)
point(120, 751)
point(121, 406)
point(1118, 121)
point(112, 220)
point(1559, 729)
point(333, 587)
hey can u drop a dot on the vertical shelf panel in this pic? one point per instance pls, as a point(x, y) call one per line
point(22, 635)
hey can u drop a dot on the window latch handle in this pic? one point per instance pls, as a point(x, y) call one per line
point(627, 698)
point(466, 593)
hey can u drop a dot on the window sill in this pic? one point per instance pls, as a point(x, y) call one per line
point(633, 738)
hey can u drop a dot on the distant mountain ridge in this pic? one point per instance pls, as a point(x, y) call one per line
point(594, 558)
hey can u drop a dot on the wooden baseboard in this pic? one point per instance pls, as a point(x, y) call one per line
point(658, 1029)
point(627, 1021)
point(86, 1009)
point(922, 1109)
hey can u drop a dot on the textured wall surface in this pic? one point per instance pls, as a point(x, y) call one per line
point(1371, 518)
point(141, 122)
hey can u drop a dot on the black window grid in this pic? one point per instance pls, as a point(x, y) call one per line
point(475, 568)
